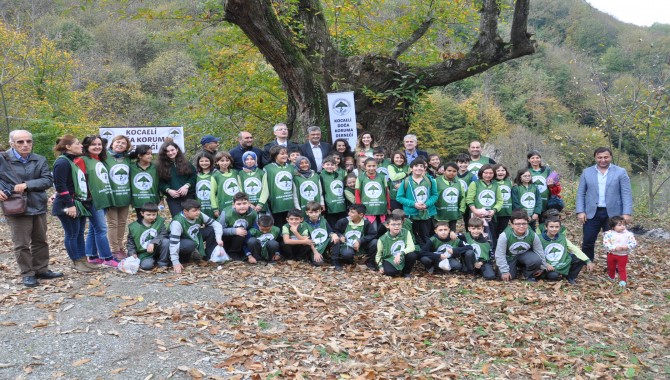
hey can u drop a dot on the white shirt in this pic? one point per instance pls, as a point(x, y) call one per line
point(318, 155)
point(602, 186)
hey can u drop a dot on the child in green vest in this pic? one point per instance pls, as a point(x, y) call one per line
point(250, 179)
point(505, 186)
point(332, 183)
point(277, 189)
point(295, 235)
point(293, 154)
point(357, 236)
point(118, 165)
point(435, 168)
point(263, 244)
point(350, 189)
point(379, 153)
point(193, 235)
point(450, 203)
point(148, 240)
point(520, 246)
point(306, 185)
point(227, 183)
point(395, 250)
point(485, 200)
point(418, 194)
point(566, 258)
point(320, 232)
point(206, 185)
point(143, 178)
point(372, 191)
point(526, 196)
point(236, 221)
point(397, 172)
point(465, 177)
point(482, 260)
point(443, 250)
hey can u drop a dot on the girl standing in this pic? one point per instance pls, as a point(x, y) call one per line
point(250, 179)
point(278, 185)
point(526, 195)
point(206, 185)
point(505, 186)
point(539, 174)
point(485, 200)
point(398, 171)
point(226, 177)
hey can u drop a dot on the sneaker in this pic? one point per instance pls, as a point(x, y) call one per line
point(80, 266)
point(622, 284)
point(338, 268)
point(111, 262)
point(531, 279)
point(371, 265)
point(572, 281)
point(196, 257)
point(94, 261)
point(119, 255)
point(430, 270)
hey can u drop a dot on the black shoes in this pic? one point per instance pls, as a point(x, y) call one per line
point(48, 275)
point(30, 281)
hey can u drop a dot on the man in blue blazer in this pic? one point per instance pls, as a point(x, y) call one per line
point(411, 151)
point(314, 149)
point(604, 191)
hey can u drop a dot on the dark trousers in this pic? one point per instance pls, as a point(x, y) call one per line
point(486, 270)
point(421, 230)
point(208, 238)
point(332, 218)
point(591, 229)
point(298, 252)
point(186, 248)
point(254, 245)
point(346, 254)
point(390, 270)
point(501, 223)
point(280, 218)
point(161, 254)
point(576, 266)
point(29, 235)
point(341, 254)
point(452, 225)
point(174, 204)
point(530, 261)
point(235, 246)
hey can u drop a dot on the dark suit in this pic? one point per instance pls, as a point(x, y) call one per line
point(306, 150)
point(419, 153)
point(266, 149)
point(618, 201)
point(237, 153)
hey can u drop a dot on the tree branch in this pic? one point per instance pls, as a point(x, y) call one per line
point(418, 33)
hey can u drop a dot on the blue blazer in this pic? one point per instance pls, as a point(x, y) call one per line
point(618, 193)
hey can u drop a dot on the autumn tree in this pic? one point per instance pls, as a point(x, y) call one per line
point(310, 45)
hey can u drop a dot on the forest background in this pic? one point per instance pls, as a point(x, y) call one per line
point(74, 66)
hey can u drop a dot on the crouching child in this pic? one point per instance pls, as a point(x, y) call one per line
point(566, 258)
point(482, 250)
point(395, 250)
point(193, 235)
point(147, 238)
point(445, 250)
point(263, 244)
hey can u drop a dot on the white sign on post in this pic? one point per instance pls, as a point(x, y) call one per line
point(343, 117)
point(153, 136)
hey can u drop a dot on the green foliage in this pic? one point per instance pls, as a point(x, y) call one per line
point(166, 72)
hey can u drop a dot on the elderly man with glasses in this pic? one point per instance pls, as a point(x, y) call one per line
point(24, 172)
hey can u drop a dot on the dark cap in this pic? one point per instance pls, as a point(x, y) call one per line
point(208, 139)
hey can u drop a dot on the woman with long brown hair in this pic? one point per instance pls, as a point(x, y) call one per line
point(176, 176)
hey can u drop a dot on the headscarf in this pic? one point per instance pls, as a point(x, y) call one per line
point(305, 173)
point(244, 159)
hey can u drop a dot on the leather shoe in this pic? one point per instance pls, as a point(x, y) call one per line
point(30, 281)
point(48, 275)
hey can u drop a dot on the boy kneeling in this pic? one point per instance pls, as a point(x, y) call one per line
point(395, 250)
point(147, 238)
point(263, 244)
point(190, 241)
point(566, 258)
point(443, 251)
point(517, 245)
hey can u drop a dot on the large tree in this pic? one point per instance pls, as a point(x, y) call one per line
point(296, 39)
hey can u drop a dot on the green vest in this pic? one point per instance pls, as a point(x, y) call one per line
point(482, 249)
point(393, 246)
point(98, 183)
point(205, 191)
point(506, 191)
point(421, 193)
point(466, 180)
point(527, 198)
point(143, 235)
point(143, 185)
point(280, 186)
point(251, 183)
point(353, 233)
point(80, 187)
point(119, 175)
point(449, 196)
point(393, 192)
point(319, 234)
point(191, 230)
point(233, 219)
point(227, 186)
point(264, 238)
point(540, 180)
point(333, 192)
point(477, 164)
point(518, 245)
point(373, 194)
point(556, 253)
point(307, 189)
point(485, 195)
point(441, 246)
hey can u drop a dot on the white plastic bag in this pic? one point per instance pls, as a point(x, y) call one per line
point(219, 255)
point(444, 265)
point(129, 265)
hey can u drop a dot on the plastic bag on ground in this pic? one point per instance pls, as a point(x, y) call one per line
point(129, 265)
point(219, 255)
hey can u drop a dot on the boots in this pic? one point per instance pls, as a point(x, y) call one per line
point(80, 266)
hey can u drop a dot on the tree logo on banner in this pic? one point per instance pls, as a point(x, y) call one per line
point(341, 107)
point(143, 181)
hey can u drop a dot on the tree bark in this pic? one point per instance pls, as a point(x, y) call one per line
point(386, 89)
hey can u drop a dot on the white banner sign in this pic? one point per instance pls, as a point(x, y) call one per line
point(343, 117)
point(153, 136)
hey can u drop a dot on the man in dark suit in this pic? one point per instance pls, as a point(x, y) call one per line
point(604, 191)
point(281, 133)
point(246, 144)
point(411, 153)
point(314, 149)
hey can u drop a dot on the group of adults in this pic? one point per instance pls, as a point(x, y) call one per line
point(80, 194)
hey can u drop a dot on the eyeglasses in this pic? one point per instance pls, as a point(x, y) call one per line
point(520, 224)
point(21, 142)
point(395, 224)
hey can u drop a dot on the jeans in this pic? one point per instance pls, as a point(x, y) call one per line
point(97, 244)
point(591, 229)
point(74, 236)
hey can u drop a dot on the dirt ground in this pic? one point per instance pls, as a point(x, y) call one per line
point(295, 321)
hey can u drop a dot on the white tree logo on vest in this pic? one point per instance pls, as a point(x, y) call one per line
point(101, 172)
point(397, 247)
point(487, 198)
point(528, 200)
point(204, 189)
point(119, 174)
point(554, 252)
point(308, 190)
point(143, 181)
point(193, 231)
point(147, 236)
point(252, 186)
point(372, 190)
point(506, 192)
point(284, 180)
point(540, 182)
point(450, 195)
point(230, 186)
point(319, 236)
point(337, 187)
point(352, 236)
point(421, 194)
